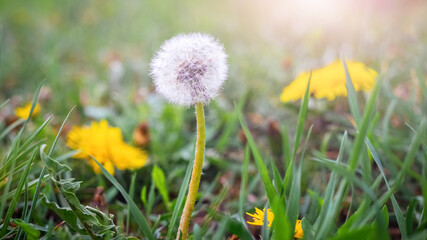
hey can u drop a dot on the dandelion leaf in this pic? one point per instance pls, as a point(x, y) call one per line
point(52, 165)
point(30, 229)
point(83, 219)
point(66, 214)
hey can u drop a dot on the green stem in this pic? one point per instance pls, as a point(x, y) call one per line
point(196, 174)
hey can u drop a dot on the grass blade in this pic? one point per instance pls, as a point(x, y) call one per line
point(180, 200)
point(44, 169)
point(330, 188)
point(283, 230)
point(24, 212)
point(265, 230)
point(286, 145)
point(15, 199)
point(410, 156)
point(292, 208)
point(131, 193)
point(300, 127)
point(11, 127)
point(15, 144)
point(363, 130)
point(34, 135)
point(401, 222)
point(276, 176)
point(136, 212)
point(244, 182)
point(6, 189)
point(301, 119)
point(343, 171)
point(351, 95)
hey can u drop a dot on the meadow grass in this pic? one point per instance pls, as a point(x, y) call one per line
point(370, 218)
point(361, 173)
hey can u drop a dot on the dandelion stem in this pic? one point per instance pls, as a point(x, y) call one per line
point(196, 174)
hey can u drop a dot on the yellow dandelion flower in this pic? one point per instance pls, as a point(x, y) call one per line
point(23, 112)
point(330, 81)
point(106, 145)
point(299, 233)
point(128, 157)
point(258, 219)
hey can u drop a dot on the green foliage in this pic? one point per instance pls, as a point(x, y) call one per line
point(30, 230)
point(179, 204)
point(160, 182)
point(136, 213)
point(353, 168)
point(93, 222)
point(17, 194)
point(281, 223)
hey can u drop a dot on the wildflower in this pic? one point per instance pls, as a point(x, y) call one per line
point(258, 219)
point(125, 157)
point(299, 233)
point(189, 68)
point(24, 112)
point(106, 145)
point(330, 81)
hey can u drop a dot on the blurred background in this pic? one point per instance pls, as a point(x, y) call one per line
point(87, 50)
point(95, 55)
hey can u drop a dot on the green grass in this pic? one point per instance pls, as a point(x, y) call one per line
point(352, 168)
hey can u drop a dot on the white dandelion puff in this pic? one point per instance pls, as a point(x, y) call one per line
point(189, 68)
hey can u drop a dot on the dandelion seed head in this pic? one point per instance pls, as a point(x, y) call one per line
point(189, 68)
